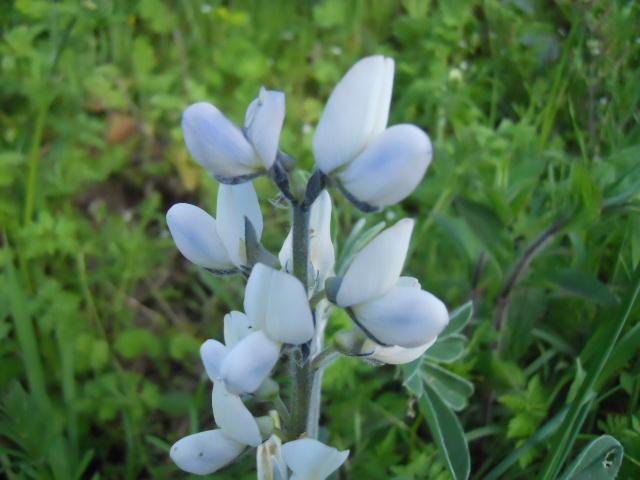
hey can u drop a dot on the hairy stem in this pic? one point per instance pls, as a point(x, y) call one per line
point(301, 374)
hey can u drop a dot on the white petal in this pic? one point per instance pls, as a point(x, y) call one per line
point(404, 316)
point(356, 112)
point(390, 168)
point(237, 326)
point(234, 203)
point(277, 302)
point(408, 282)
point(269, 462)
point(233, 418)
point(263, 124)
point(394, 355)
point(310, 459)
point(205, 452)
point(216, 143)
point(212, 353)
point(249, 362)
point(256, 294)
point(321, 250)
point(376, 268)
point(196, 236)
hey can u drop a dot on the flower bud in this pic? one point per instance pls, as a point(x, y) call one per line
point(236, 326)
point(195, 233)
point(216, 144)
point(311, 459)
point(356, 112)
point(390, 168)
point(268, 390)
point(205, 452)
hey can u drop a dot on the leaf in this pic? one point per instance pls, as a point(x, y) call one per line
point(484, 223)
point(582, 284)
point(447, 349)
point(412, 378)
point(458, 319)
point(453, 389)
point(600, 460)
point(447, 434)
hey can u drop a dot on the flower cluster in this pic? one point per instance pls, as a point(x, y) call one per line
point(287, 297)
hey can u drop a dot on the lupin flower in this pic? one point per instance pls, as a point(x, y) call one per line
point(392, 310)
point(310, 459)
point(321, 251)
point(230, 154)
point(216, 244)
point(374, 166)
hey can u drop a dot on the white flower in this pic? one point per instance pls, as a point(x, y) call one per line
point(392, 310)
point(205, 452)
point(217, 244)
point(222, 148)
point(269, 462)
point(375, 167)
point(321, 251)
point(235, 202)
point(310, 459)
point(196, 235)
point(244, 366)
point(277, 303)
point(356, 112)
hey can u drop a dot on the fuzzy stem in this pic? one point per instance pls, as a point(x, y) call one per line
point(302, 379)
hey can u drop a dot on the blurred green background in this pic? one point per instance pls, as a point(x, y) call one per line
point(533, 110)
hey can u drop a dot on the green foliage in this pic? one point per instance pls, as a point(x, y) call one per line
point(532, 109)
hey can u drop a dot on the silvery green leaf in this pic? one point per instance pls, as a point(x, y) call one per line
point(458, 319)
point(600, 460)
point(447, 349)
point(453, 389)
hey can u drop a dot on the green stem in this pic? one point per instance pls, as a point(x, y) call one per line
point(301, 373)
point(32, 162)
point(574, 419)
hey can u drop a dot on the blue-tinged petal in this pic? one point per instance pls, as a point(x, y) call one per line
point(263, 124)
point(205, 452)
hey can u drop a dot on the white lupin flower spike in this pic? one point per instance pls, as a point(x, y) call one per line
point(390, 168)
point(195, 234)
point(376, 268)
point(235, 202)
point(277, 302)
point(206, 452)
point(356, 112)
point(310, 459)
point(321, 250)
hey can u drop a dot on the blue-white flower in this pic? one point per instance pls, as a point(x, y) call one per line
point(321, 252)
point(392, 310)
point(217, 244)
point(227, 152)
point(310, 459)
point(205, 452)
point(375, 166)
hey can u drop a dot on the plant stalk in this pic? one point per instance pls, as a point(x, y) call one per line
point(301, 373)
